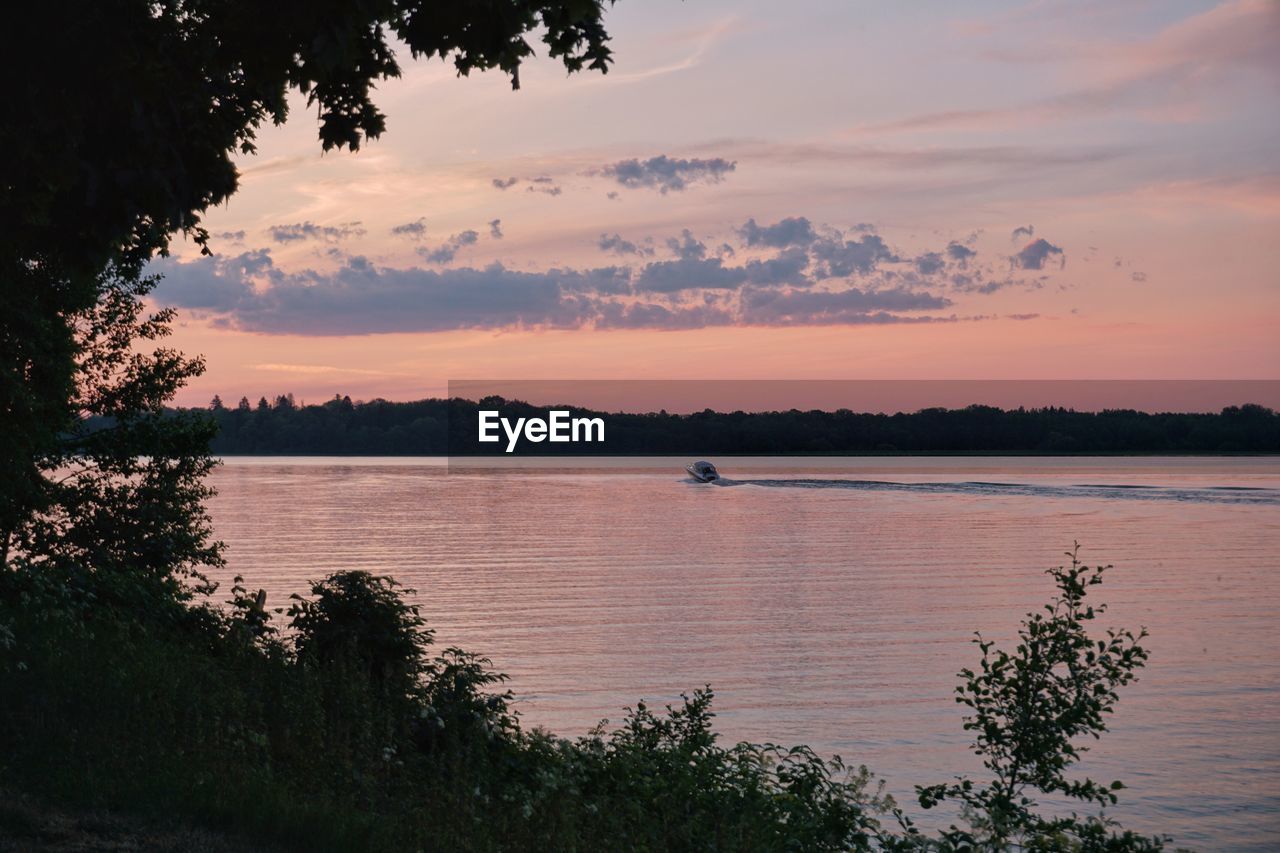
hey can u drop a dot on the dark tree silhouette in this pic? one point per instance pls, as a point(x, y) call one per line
point(440, 427)
point(122, 523)
point(119, 126)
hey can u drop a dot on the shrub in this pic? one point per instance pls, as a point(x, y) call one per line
point(360, 620)
point(1029, 708)
point(344, 733)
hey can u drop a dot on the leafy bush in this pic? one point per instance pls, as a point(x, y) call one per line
point(1028, 710)
point(346, 732)
point(359, 619)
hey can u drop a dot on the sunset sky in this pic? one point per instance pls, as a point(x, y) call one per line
point(808, 190)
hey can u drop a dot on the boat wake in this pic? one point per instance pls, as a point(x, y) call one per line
point(1117, 491)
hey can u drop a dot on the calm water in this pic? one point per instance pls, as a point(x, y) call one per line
point(828, 602)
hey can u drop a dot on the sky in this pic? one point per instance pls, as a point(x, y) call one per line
point(1056, 189)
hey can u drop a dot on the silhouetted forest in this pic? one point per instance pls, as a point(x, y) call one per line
point(442, 427)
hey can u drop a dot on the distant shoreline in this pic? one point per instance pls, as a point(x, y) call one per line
point(452, 427)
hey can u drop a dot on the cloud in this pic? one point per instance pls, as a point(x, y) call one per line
point(692, 270)
point(544, 184)
point(495, 229)
point(687, 247)
point(541, 184)
point(1175, 72)
point(977, 283)
point(668, 174)
point(1023, 231)
point(1138, 276)
point(929, 263)
point(617, 245)
point(702, 39)
point(360, 298)
point(960, 253)
point(599, 281)
point(310, 231)
point(647, 315)
point(792, 231)
point(853, 306)
point(1035, 254)
point(248, 292)
point(790, 272)
point(415, 229)
point(689, 274)
point(230, 236)
point(786, 268)
point(1021, 316)
point(445, 253)
point(836, 257)
point(213, 284)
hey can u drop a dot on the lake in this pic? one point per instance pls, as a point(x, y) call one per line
point(827, 601)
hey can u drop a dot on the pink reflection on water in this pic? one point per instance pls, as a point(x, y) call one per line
point(831, 616)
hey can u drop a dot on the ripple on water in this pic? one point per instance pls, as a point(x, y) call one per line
point(828, 601)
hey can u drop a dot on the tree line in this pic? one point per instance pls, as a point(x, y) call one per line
point(437, 427)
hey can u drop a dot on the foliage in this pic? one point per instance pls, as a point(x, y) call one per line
point(121, 518)
point(681, 790)
point(124, 136)
point(347, 733)
point(128, 137)
point(359, 619)
point(440, 427)
point(248, 619)
point(458, 705)
point(1029, 709)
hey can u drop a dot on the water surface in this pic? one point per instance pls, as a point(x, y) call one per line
point(827, 601)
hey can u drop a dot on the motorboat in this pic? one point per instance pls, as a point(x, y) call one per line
point(703, 472)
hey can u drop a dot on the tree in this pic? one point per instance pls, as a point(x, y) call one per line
point(126, 135)
point(123, 519)
point(1029, 709)
point(361, 620)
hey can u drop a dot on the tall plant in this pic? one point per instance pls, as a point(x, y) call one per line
point(1029, 711)
point(122, 486)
